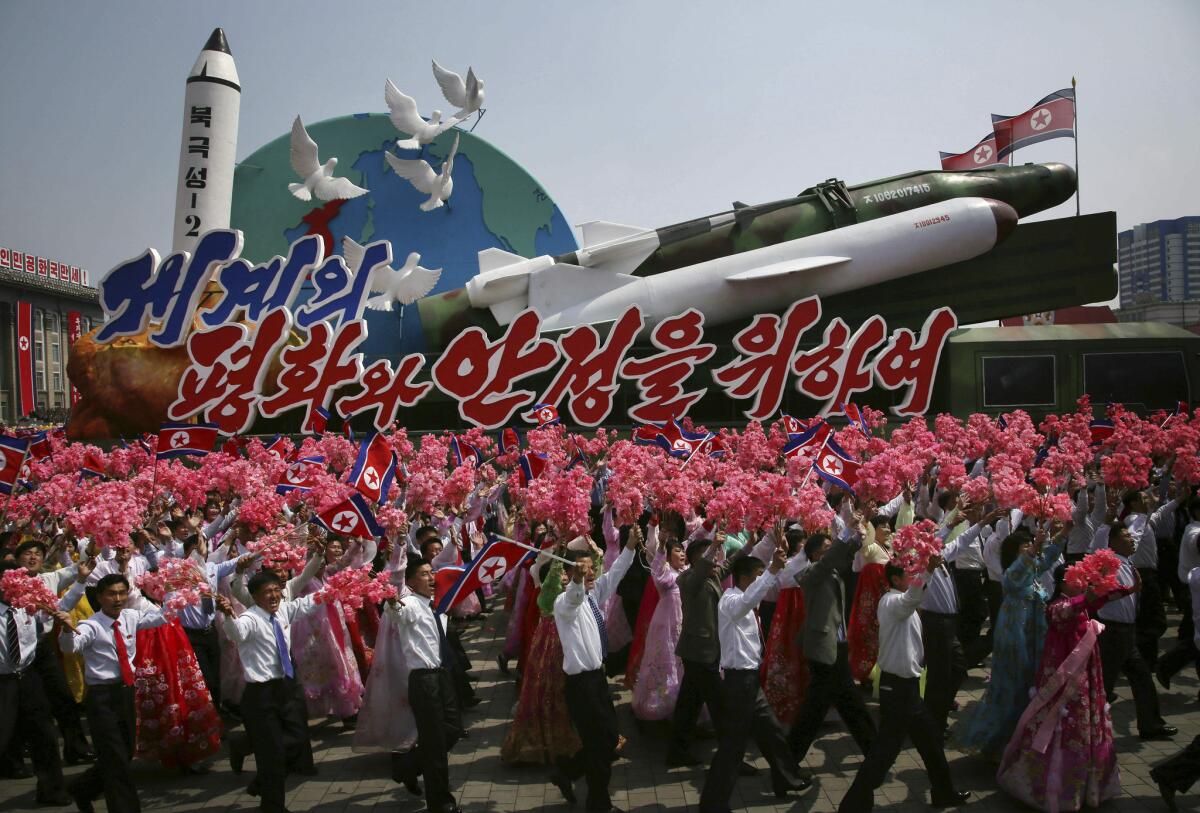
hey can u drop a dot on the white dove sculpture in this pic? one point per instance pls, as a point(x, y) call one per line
point(318, 179)
point(406, 285)
point(402, 109)
point(438, 185)
point(466, 96)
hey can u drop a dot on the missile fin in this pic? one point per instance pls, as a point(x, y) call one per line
point(493, 258)
point(596, 232)
point(562, 286)
point(785, 268)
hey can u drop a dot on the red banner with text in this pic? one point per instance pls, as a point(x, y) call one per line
point(25, 376)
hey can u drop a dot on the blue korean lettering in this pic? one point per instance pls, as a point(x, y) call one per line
point(262, 288)
point(340, 292)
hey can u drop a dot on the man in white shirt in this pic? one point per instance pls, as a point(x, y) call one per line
point(24, 709)
point(901, 712)
point(1118, 644)
point(273, 705)
point(581, 629)
point(431, 693)
point(1180, 772)
point(745, 712)
point(108, 644)
point(944, 656)
point(31, 555)
point(1184, 651)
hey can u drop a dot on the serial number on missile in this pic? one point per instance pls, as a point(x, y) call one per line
point(893, 194)
point(933, 221)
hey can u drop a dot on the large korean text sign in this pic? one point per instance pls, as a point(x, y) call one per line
point(234, 339)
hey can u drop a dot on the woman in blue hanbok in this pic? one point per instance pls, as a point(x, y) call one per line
point(986, 728)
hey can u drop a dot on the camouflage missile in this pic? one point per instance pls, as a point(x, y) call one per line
point(494, 296)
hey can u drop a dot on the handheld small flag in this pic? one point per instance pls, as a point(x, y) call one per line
point(351, 517)
point(93, 465)
point(317, 422)
point(186, 439)
point(1101, 429)
point(813, 436)
point(465, 453)
point(545, 415)
point(530, 466)
point(299, 476)
point(13, 451)
point(374, 469)
point(854, 415)
point(834, 465)
point(495, 559)
point(510, 439)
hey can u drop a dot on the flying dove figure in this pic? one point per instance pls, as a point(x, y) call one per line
point(438, 185)
point(406, 285)
point(402, 109)
point(466, 96)
point(318, 179)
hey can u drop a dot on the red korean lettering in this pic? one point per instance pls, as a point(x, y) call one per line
point(835, 370)
point(907, 361)
point(480, 373)
point(766, 349)
point(314, 370)
point(385, 391)
point(227, 371)
point(660, 377)
point(589, 373)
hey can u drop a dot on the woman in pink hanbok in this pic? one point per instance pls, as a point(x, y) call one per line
point(660, 671)
point(1061, 756)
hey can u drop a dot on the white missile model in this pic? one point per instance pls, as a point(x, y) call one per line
point(211, 105)
point(598, 289)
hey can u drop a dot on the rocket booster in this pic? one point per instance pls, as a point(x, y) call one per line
point(208, 148)
point(740, 285)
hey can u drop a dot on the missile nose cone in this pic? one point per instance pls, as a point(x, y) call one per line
point(1062, 180)
point(1006, 219)
point(217, 42)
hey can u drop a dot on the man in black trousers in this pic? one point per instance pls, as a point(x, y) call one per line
point(24, 710)
point(746, 713)
point(108, 644)
point(273, 703)
point(825, 648)
point(901, 713)
point(431, 692)
point(581, 629)
point(699, 648)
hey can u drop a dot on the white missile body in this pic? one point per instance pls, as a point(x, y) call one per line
point(741, 285)
point(207, 152)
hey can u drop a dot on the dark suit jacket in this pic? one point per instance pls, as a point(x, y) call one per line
point(699, 592)
point(825, 608)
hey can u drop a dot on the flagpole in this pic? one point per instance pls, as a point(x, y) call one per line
point(1075, 128)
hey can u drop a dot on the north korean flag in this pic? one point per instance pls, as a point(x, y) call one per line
point(790, 425)
point(39, 445)
point(837, 467)
point(233, 446)
point(1102, 429)
point(983, 155)
point(13, 451)
point(299, 476)
point(374, 469)
point(278, 448)
point(854, 415)
point(530, 466)
point(510, 439)
point(545, 415)
point(813, 436)
point(1052, 117)
point(496, 558)
point(351, 517)
point(93, 465)
point(183, 439)
point(465, 453)
point(317, 421)
point(25, 375)
point(671, 437)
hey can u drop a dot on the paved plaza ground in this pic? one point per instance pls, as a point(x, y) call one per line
point(360, 782)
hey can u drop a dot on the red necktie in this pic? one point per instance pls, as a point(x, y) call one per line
point(122, 653)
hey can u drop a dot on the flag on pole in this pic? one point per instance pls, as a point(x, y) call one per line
point(545, 415)
point(1052, 117)
point(530, 466)
point(495, 559)
point(183, 439)
point(351, 517)
point(299, 476)
point(854, 415)
point(317, 422)
point(1102, 429)
point(982, 156)
point(93, 466)
point(374, 468)
point(834, 465)
point(510, 439)
point(813, 436)
point(465, 453)
point(39, 445)
point(12, 456)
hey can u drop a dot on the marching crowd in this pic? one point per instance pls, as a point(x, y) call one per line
point(745, 581)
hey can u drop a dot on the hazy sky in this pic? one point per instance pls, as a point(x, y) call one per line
point(639, 112)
